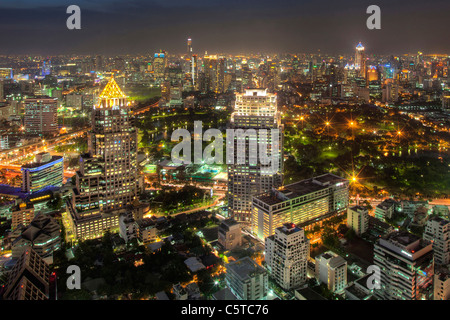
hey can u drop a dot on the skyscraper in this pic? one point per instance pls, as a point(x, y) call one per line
point(41, 116)
point(106, 184)
point(360, 60)
point(189, 47)
point(286, 257)
point(255, 111)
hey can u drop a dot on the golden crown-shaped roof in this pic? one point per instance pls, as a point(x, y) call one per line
point(112, 90)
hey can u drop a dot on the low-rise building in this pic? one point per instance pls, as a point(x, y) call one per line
point(229, 234)
point(331, 269)
point(247, 280)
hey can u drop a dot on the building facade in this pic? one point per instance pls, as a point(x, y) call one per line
point(247, 280)
point(302, 203)
point(229, 234)
point(41, 116)
point(331, 269)
point(45, 171)
point(255, 113)
point(106, 184)
point(406, 266)
point(358, 219)
point(286, 257)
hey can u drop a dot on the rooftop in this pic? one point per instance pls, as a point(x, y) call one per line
point(245, 268)
point(300, 188)
point(112, 90)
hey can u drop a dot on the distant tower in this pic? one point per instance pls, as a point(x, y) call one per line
point(189, 47)
point(360, 60)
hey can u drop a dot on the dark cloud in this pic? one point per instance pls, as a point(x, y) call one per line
point(233, 26)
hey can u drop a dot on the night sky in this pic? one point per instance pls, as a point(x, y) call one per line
point(218, 26)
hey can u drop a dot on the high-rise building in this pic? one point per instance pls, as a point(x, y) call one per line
point(106, 184)
point(46, 171)
point(303, 203)
point(159, 65)
point(194, 71)
point(286, 256)
point(406, 266)
point(247, 280)
point(360, 60)
point(255, 111)
point(437, 231)
point(358, 219)
point(331, 269)
point(189, 47)
point(41, 116)
point(28, 279)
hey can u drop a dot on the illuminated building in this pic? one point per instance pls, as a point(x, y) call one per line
point(360, 60)
point(43, 235)
point(331, 269)
point(159, 64)
point(22, 214)
point(255, 109)
point(6, 73)
point(45, 171)
point(194, 70)
point(406, 266)
point(229, 235)
point(446, 102)
point(286, 256)
point(358, 219)
point(302, 203)
point(106, 183)
point(41, 116)
point(247, 280)
point(28, 279)
point(189, 47)
point(437, 231)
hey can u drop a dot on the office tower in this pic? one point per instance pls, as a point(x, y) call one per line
point(303, 203)
point(229, 235)
point(159, 65)
point(441, 283)
point(385, 210)
point(22, 214)
point(437, 231)
point(189, 47)
point(210, 72)
point(406, 266)
point(28, 279)
point(46, 171)
point(41, 116)
point(286, 256)
point(43, 235)
point(360, 60)
point(106, 184)
point(331, 269)
point(194, 71)
point(255, 110)
point(247, 280)
point(358, 219)
point(46, 68)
